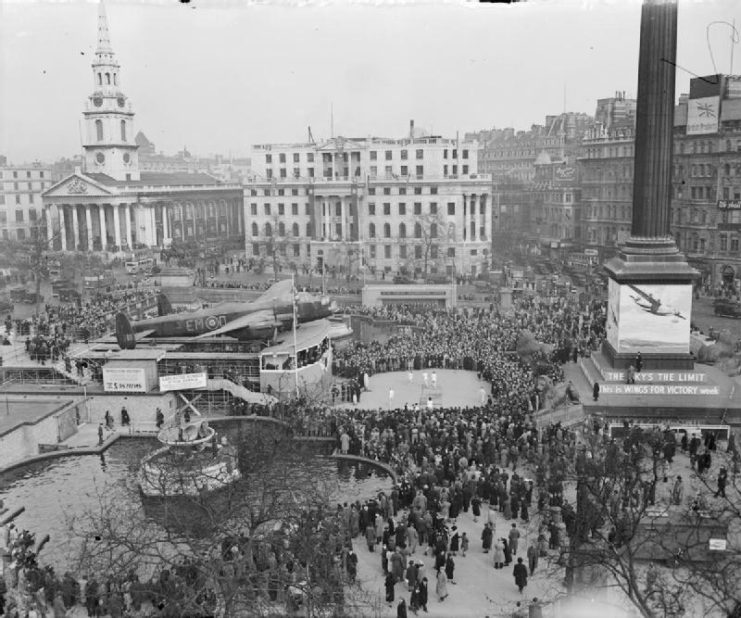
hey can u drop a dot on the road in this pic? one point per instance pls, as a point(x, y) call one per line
point(704, 317)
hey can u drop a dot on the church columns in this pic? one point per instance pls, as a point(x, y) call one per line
point(75, 229)
point(63, 227)
point(49, 228)
point(129, 239)
point(88, 228)
point(117, 226)
point(102, 226)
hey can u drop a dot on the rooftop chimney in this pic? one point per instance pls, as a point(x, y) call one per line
point(411, 129)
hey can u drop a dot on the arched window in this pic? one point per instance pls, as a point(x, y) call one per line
point(295, 231)
point(387, 230)
point(433, 230)
point(100, 83)
point(115, 79)
point(99, 130)
point(108, 78)
point(268, 230)
point(372, 230)
point(281, 229)
point(309, 230)
point(123, 130)
point(417, 230)
point(255, 229)
point(402, 230)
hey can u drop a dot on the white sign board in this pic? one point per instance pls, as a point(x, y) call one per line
point(717, 545)
point(182, 381)
point(702, 115)
point(124, 380)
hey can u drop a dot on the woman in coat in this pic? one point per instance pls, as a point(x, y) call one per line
point(487, 536)
point(442, 585)
point(423, 594)
point(401, 609)
point(390, 583)
point(507, 552)
point(520, 573)
point(498, 555)
point(450, 569)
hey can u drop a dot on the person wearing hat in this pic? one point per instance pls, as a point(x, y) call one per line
point(722, 481)
point(487, 535)
point(454, 542)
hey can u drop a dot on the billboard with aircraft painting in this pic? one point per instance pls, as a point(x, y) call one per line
point(649, 318)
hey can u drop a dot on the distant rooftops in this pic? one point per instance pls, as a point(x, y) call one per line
point(149, 179)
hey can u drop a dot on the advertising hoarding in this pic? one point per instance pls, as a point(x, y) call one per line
point(653, 318)
point(182, 381)
point(124, 380)
point(703, 115)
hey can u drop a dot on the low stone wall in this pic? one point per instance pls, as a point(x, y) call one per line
point(142, 409)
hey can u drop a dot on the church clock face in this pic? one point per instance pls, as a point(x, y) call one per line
point(121, 101)
point(97, 101)
point(100, 157)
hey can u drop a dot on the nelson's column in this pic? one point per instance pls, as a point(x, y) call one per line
point(650, 282)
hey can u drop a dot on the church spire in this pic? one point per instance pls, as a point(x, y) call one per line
point(109, 143)
point(104, 38)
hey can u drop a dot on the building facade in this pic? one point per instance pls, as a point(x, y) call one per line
point(109, 204)
point(21, 208)
point(606, 173)
point(370, 206)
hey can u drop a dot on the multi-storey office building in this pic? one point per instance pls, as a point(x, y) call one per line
point(21, 208)
point(370, 205)
point(606, 173)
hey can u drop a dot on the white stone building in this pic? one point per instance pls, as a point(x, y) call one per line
point(21, 207)
point(370, 206)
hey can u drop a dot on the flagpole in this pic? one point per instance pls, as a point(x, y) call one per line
point(295, 346)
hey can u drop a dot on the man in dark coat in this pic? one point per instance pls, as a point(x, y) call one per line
point(423, 594)
point(486, 537)
point(520, 573)
point(390, 582)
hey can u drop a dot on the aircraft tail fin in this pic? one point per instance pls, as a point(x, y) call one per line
point(124, 333)
point(164, 307)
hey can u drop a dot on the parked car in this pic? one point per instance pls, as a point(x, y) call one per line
point(403, 279)
point(727, 307)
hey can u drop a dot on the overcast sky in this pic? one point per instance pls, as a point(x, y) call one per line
point(220, 76)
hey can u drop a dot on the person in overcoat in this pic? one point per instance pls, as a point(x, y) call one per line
point(520, 573)
point(423, 594)
point(389, 584)
point(441, 586)
point(401, 609)
point(486, 538)
point(450, 569)
point(498, 554)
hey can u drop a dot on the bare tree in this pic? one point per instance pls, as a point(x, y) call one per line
point(250, 549)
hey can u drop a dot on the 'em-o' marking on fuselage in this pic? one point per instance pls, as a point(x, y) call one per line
point(211, 322)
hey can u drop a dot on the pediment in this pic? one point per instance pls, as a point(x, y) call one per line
point(77, 184)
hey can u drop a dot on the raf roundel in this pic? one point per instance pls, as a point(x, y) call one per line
point(212, 322)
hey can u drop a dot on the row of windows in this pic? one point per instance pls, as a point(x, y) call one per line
point(18, 200)
point(420, 231)
point(14, 173)
point(282, 209)
point(19, 216)
point(371, 191)
point(419, 154)
point(19, 186)
point(99, 130)
point(418, 252)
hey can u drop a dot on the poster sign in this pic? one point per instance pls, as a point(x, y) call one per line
point(652, 318)
point(124, 380)
point(729, 204)
point(182, 381)
point(702, 115)
point(717, 545)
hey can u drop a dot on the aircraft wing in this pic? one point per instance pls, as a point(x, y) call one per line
point(641, 293)
point(281, 289)
point(144, 333)
point(257, 319)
